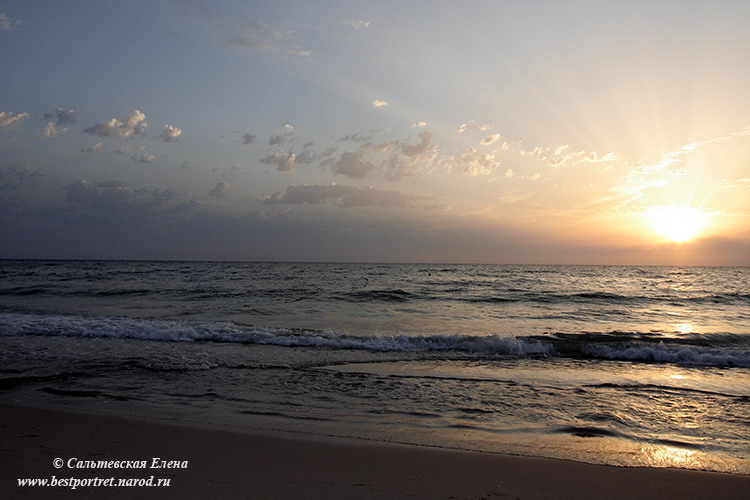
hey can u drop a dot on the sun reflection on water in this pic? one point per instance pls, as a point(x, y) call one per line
point(684, 328)
point(669, 456)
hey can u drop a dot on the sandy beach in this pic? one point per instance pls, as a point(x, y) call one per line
point(213, 463)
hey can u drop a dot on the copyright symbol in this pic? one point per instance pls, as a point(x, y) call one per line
point(58, 463)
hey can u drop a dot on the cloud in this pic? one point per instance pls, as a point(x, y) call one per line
point(60, 118)
point(286, 136)
point(84, 192)
point(490, 139)
point(221, 189)
point(239, 31)
point(285, 163)
point(257, 35)
point(248, 138)
point(377, 103)
point(132, 126)
point(419, 124)
point(92, 148)
point(354, 138)
point(413, 158)
point(115, 198)
point(9, 120)
point(471, 127)
point(8, 24)
point(169, 133)
point(51, 130)
point(369, 196)
point(353, 164)
point(13, 177)
point(357, 25)
point(144, 158)
point(311, 156)
point(473, 163)
point(347, 196)
point(277, 139)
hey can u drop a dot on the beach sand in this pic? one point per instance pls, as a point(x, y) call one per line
point(224, 464)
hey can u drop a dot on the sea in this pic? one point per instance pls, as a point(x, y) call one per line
point(620, 365)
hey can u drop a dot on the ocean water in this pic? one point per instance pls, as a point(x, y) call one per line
point(630, 366)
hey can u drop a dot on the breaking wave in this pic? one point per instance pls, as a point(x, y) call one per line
point(693, 349)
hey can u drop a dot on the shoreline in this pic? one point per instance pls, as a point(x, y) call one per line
point(226, 464)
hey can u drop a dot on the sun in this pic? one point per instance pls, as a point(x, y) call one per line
point(677, 223)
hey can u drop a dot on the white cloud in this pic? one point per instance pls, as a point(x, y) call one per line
point(562, 156)
point(419, 124)
point(132, 126)
point(378, 103)
point(358, 24)
point(8, 24)
point(471, 127)
point(169, 133)
point(490, 139)
point(221, 189)
point(51, 130)
point(144, 158)
point(9, 120)
point(473, 163)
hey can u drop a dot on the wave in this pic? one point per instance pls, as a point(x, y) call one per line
point(396, 295)
point(719, 350)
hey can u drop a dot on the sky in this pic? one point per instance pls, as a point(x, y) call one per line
point(510, 132)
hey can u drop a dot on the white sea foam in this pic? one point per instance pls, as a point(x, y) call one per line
point(184, 331)
point(188, 331)
point(661, 353)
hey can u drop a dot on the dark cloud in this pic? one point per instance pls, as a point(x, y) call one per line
point(221, 189)
point(61, 118)
point(355, 138)
point(354, 165)
point(256, 35)
point(14, 177)
point(284, 163)
point(248, 138)
point(343, 196)
point(91, 149)
point(287, 135)
point(414, 158)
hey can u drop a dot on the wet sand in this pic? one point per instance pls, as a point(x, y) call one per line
point(226, 464)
